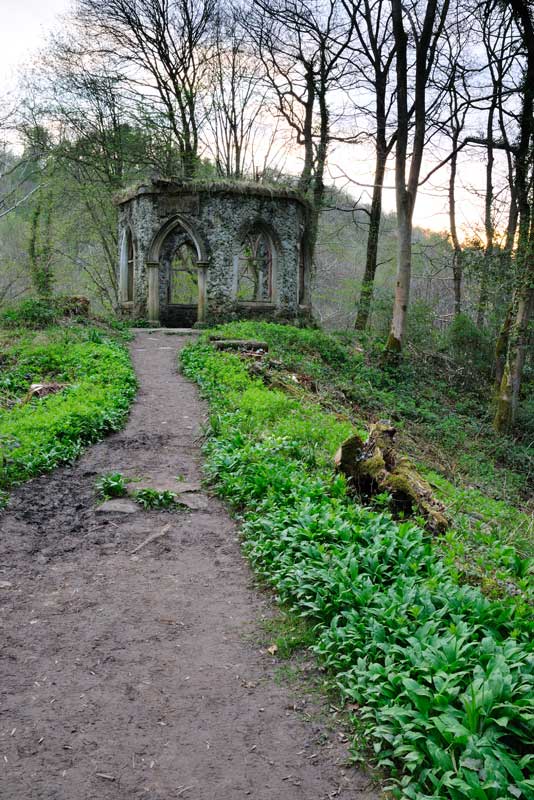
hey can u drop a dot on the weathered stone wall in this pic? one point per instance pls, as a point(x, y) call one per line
point(217, 219)
point(227, 220)
point(141, 218)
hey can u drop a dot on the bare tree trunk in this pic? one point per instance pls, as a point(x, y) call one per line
point(404, 269)
point(306, 176)
point(457, 273)
point(488, 222)
point(404, 222)
point(501, 346)
point(316, 177)
point(406, 192)
point(510, 385)
point(523, 300)
point(457, 267)
point(375, 215)
point(373, 58)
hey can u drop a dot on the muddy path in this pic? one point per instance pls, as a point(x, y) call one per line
point(146, 675)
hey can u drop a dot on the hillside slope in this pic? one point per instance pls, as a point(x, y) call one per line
point(439, 673)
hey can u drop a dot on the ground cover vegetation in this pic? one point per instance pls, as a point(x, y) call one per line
point(440, 672)
point(93, 380)
point(485, 479)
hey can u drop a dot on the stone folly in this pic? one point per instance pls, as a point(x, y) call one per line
point(194, 252)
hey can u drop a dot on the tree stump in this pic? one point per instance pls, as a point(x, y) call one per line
point(374, 466)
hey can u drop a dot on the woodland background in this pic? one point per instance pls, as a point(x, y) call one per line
point(298, 92)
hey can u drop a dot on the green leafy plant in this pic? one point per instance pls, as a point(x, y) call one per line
point(440, 427)
point(154, 499)
point(55, 430)
point(112, 484)
point(442, 676)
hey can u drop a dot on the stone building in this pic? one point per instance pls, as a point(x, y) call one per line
point(204, 252)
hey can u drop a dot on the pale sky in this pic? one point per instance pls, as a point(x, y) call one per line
point(24, 25)
point(23, 28)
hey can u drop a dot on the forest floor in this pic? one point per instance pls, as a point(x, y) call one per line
point(485, 480)
point(148, 674)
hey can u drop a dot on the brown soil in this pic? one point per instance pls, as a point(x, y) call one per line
point(146, 675)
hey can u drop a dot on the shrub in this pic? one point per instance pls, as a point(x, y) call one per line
point(469, 344)
point(30, 314)
point(421, 330)
point(41, 312)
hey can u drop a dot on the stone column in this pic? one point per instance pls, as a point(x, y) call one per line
point(202, 267)
point(152, 268)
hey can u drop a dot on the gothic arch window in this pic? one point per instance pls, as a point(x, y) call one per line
point(255, 269)
point(183, 276)
point(127, 264)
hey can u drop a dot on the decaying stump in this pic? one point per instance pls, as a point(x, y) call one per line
point(374, 466)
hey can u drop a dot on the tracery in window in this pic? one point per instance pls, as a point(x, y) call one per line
point(255, 277)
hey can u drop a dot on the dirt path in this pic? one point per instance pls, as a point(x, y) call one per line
point(145, 676)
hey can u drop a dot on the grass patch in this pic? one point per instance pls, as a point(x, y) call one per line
point(442, 676)
point(490, 544)
point(288, 634)
point(100, 383)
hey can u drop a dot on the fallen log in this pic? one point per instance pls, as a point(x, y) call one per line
point(374, 467)
point(239, 344)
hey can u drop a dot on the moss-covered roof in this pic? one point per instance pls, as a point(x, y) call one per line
point(177, 186)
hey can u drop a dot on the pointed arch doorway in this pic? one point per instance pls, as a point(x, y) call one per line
point(177, 276)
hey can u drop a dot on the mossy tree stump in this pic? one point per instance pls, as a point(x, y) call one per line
point(374, 467)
